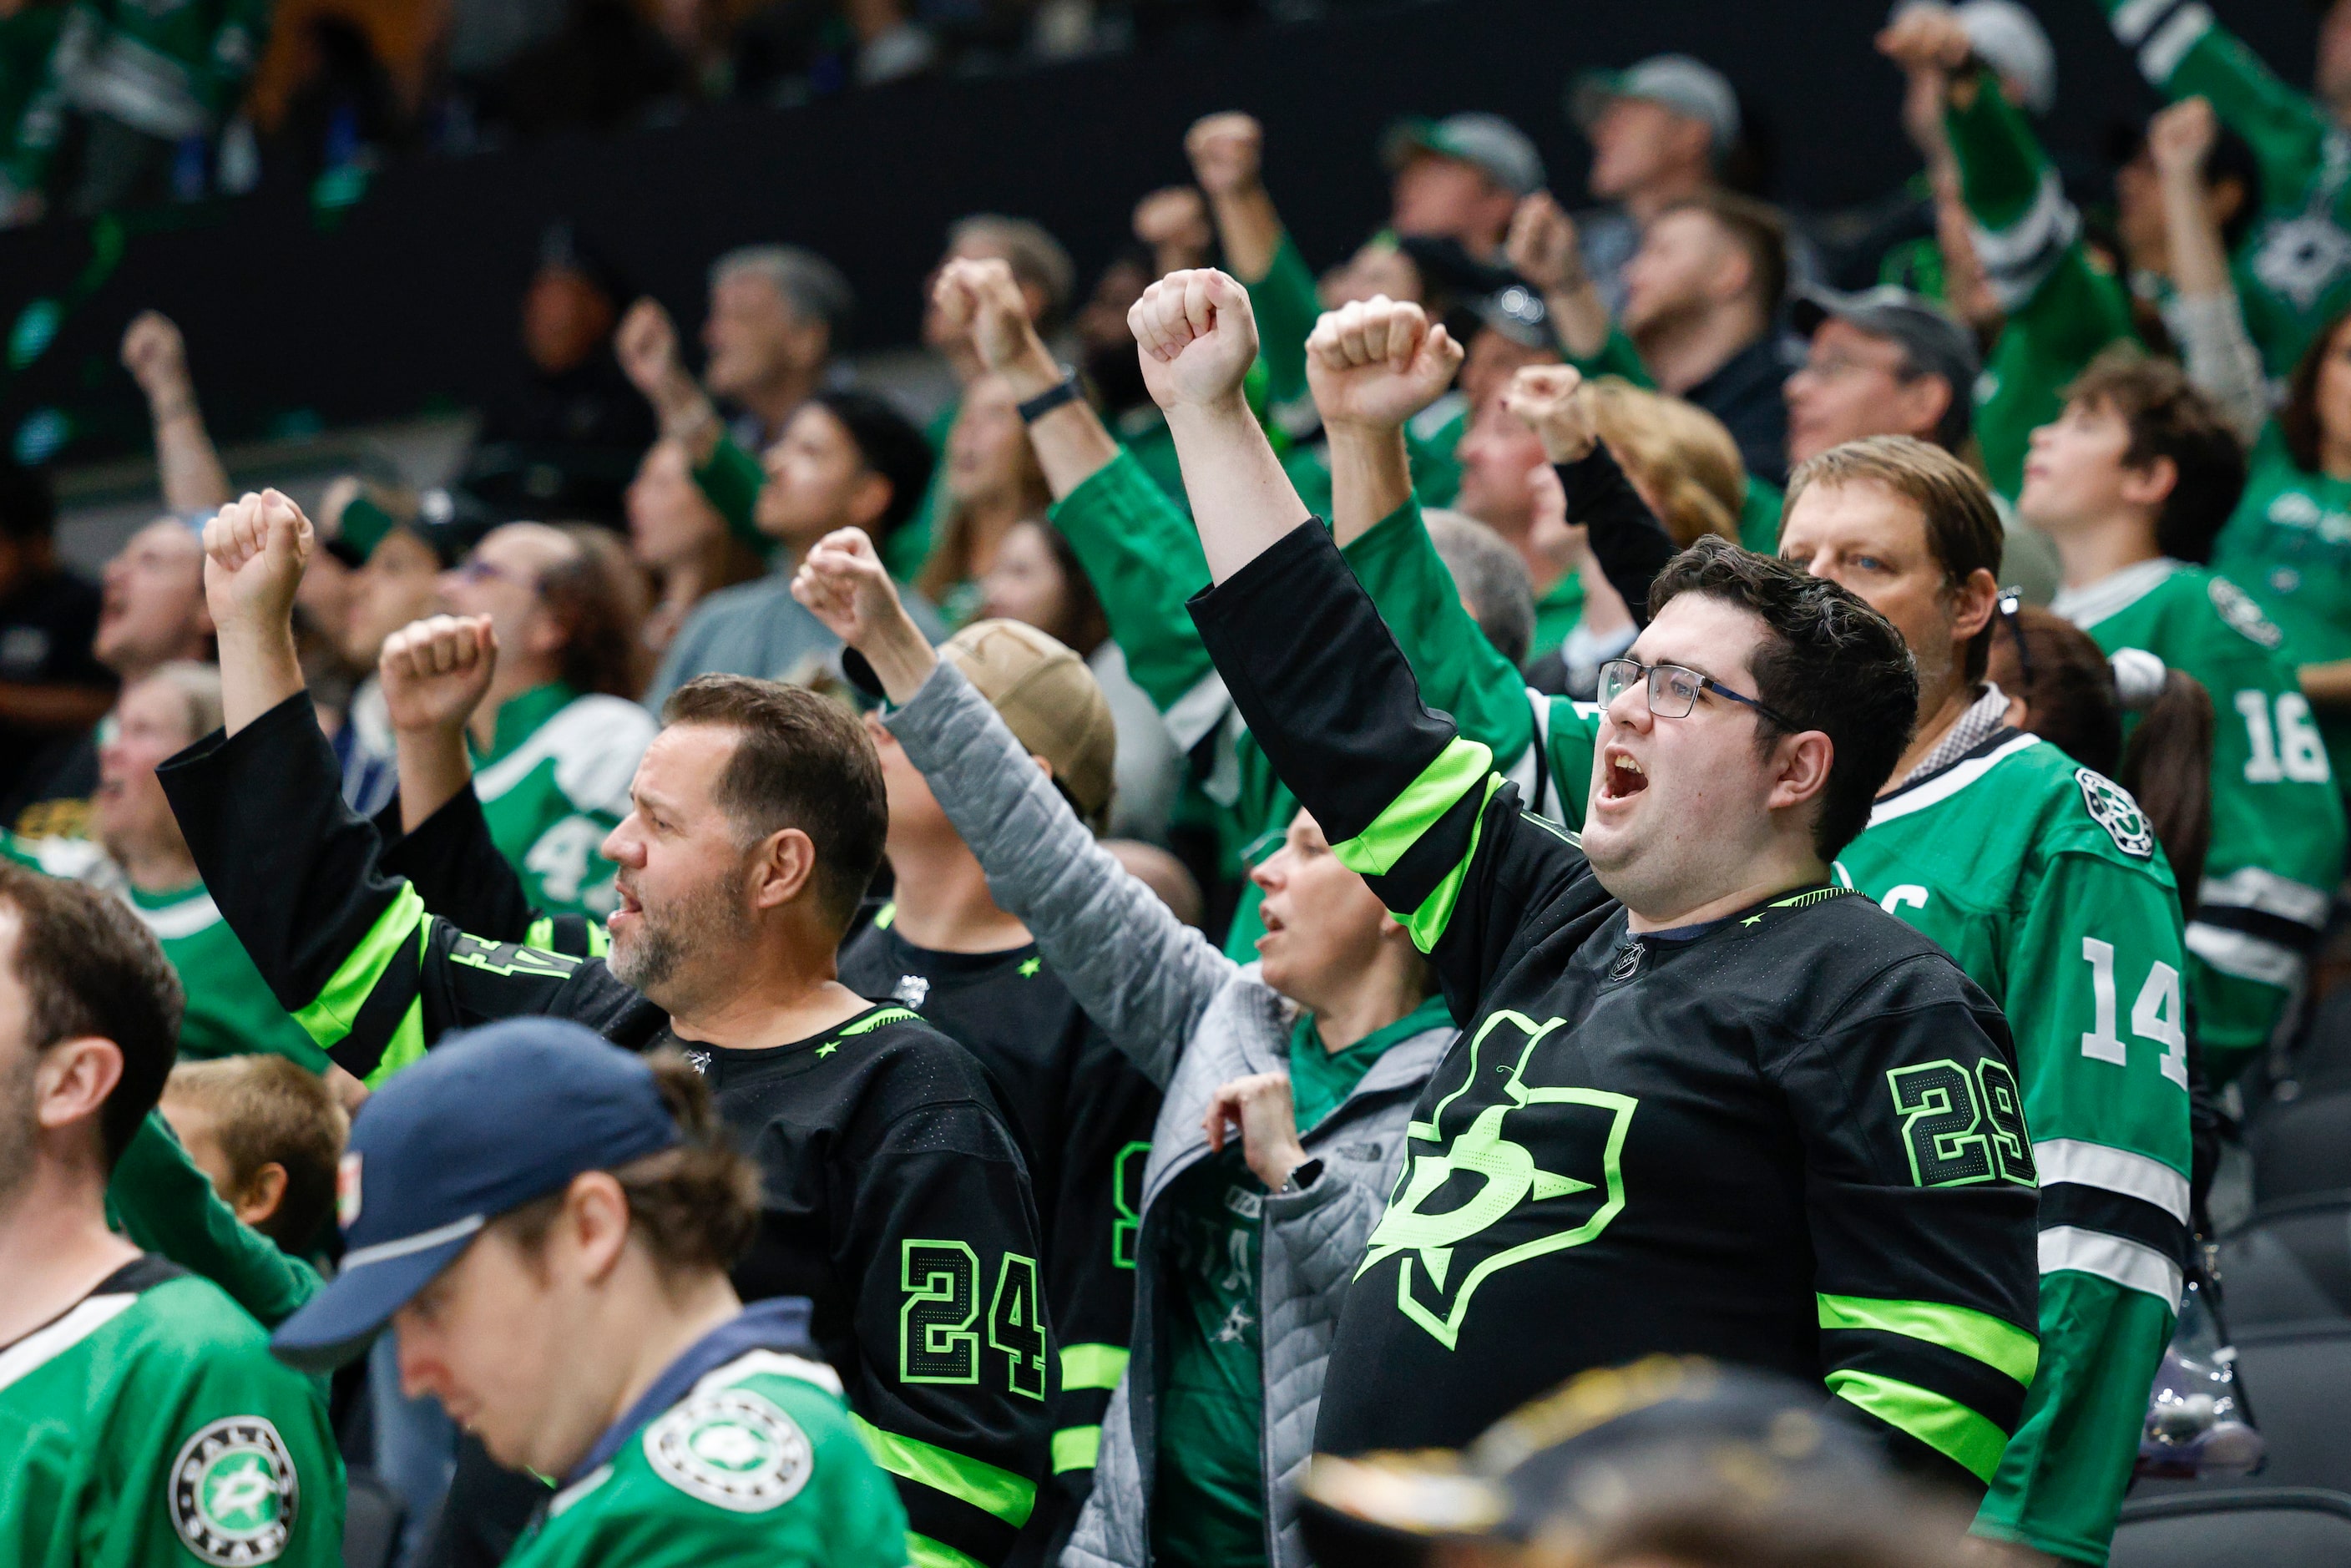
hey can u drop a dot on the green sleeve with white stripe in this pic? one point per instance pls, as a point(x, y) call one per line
point(2095, 979)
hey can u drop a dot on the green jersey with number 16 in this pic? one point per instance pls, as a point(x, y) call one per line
point(2277, 818)
point(146, 1427)
point(2044, 882)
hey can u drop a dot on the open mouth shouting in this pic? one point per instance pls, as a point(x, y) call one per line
point(1621, 776)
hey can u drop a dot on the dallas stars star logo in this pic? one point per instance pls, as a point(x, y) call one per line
point(233, 1493)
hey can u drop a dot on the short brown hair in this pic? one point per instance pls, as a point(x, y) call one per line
point(2170, 417)
point(800, 761)
point(1964, 533)
point(1681, 454)
point(598, 595)
point(1756, 228)
point(695, 1206)
point(266, 1110)
point(91, 968)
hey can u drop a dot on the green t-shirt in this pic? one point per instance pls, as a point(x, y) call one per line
point(759, 1464)
point(1208, 1501)
point(1558, 612)
point(2277, 818)
point(2289, 546)
point(1759, 516)
point(149, 1427)
point(554, 784)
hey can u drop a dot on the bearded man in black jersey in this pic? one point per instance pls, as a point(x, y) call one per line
point(894, 1193)
point(1704, 1101)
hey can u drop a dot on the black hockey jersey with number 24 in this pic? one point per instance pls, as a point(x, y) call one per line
point(1791, 1139)
point(893, 1192)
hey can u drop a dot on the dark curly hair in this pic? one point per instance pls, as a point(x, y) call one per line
point(1830, 662)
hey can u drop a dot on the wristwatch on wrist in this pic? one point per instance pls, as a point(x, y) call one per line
point(1302, 1175)
point(1066, 391)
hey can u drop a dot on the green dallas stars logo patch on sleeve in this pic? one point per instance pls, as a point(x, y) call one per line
point(732, 1449)
point(234, 1491)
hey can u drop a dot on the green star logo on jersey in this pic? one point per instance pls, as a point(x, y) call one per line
point(1030, 966)
point(2111, 806)
point(233, 1492)
point(731, 1447)
point(1480, 1203)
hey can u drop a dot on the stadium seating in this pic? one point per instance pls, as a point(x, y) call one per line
point(2290, 1267)
point(2281, 1527)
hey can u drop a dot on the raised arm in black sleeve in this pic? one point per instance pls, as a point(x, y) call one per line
point(1631, 545)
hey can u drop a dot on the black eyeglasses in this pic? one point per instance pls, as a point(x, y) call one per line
point(1673, 690)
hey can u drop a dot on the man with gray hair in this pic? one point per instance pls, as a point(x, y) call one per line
point(1493, 582)
point(777, 314)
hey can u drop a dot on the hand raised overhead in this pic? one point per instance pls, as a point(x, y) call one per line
point(979, 300)
point(844, 584)
point(1550, 401)
point(1227, 153)
point(435, 671)
point(1376, 362)
point(255, 551)
point(1199, 339)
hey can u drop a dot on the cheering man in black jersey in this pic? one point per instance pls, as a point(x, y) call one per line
point(894, 1195)
point(1704, 1101)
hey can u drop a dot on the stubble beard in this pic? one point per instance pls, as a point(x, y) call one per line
point(689, 951)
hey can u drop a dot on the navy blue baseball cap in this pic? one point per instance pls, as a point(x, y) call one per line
point(490, 1120)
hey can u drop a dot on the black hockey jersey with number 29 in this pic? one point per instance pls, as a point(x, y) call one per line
point(893, 1192)
point(1790, 1139)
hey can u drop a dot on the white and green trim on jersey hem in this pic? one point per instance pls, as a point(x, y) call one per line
point(43, 1345)
point(2160, 32)
point(2117, 591)
point(1948, 783)
point(2018, 259)
point(2257, 891)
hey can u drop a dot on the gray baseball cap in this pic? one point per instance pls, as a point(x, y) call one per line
point(1937, 343)
point(1686, 85)
point(1487, 142)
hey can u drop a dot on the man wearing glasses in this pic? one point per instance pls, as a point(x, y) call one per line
point(1706, 1101)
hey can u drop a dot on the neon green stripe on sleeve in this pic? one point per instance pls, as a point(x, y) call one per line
point(407, 1045)
point(1092, 1365)
point(1456, 772)
point(1000, 1493)
point(1999, 1345)
point(922, 1552)
point(329, 1017)
point(1076, 1448)
point(1427, 923)
point(1943, 1424)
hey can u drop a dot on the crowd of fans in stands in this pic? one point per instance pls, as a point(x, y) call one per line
point(1553, 839)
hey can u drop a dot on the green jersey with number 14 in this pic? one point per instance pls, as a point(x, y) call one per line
point(148, 1427)
point(2277, 819)
point(2043, 880)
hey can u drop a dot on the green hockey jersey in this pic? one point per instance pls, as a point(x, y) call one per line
point(2294, 270)
point(169, 68)
point(148, 1427)
point(229, 1012)
point(554, 784)
point(2289, 546)
point(758, 1465)
point(2277, 818)
point(2043, 880)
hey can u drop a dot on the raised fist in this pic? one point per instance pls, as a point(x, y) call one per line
point(1197, 336)
point(434, 671)
point(255, 550)
point(1377, 362)
point(1226, 152)
point(646, 344)
point(155, 355)
point(979, 300)
point(1174, 222)
point(1927, 37)
point(1549, 399)
point(2180, 137)
point(1543, 247)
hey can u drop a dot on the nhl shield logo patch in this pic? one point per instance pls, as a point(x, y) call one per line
point(233, 1492)
point(731, 1448)
point(2112, 808)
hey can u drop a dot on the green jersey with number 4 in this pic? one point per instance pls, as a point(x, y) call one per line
point(553, 785)
point(2277, 819)
point(2044, 882)
point(148, 1427)
point(759, 1464)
